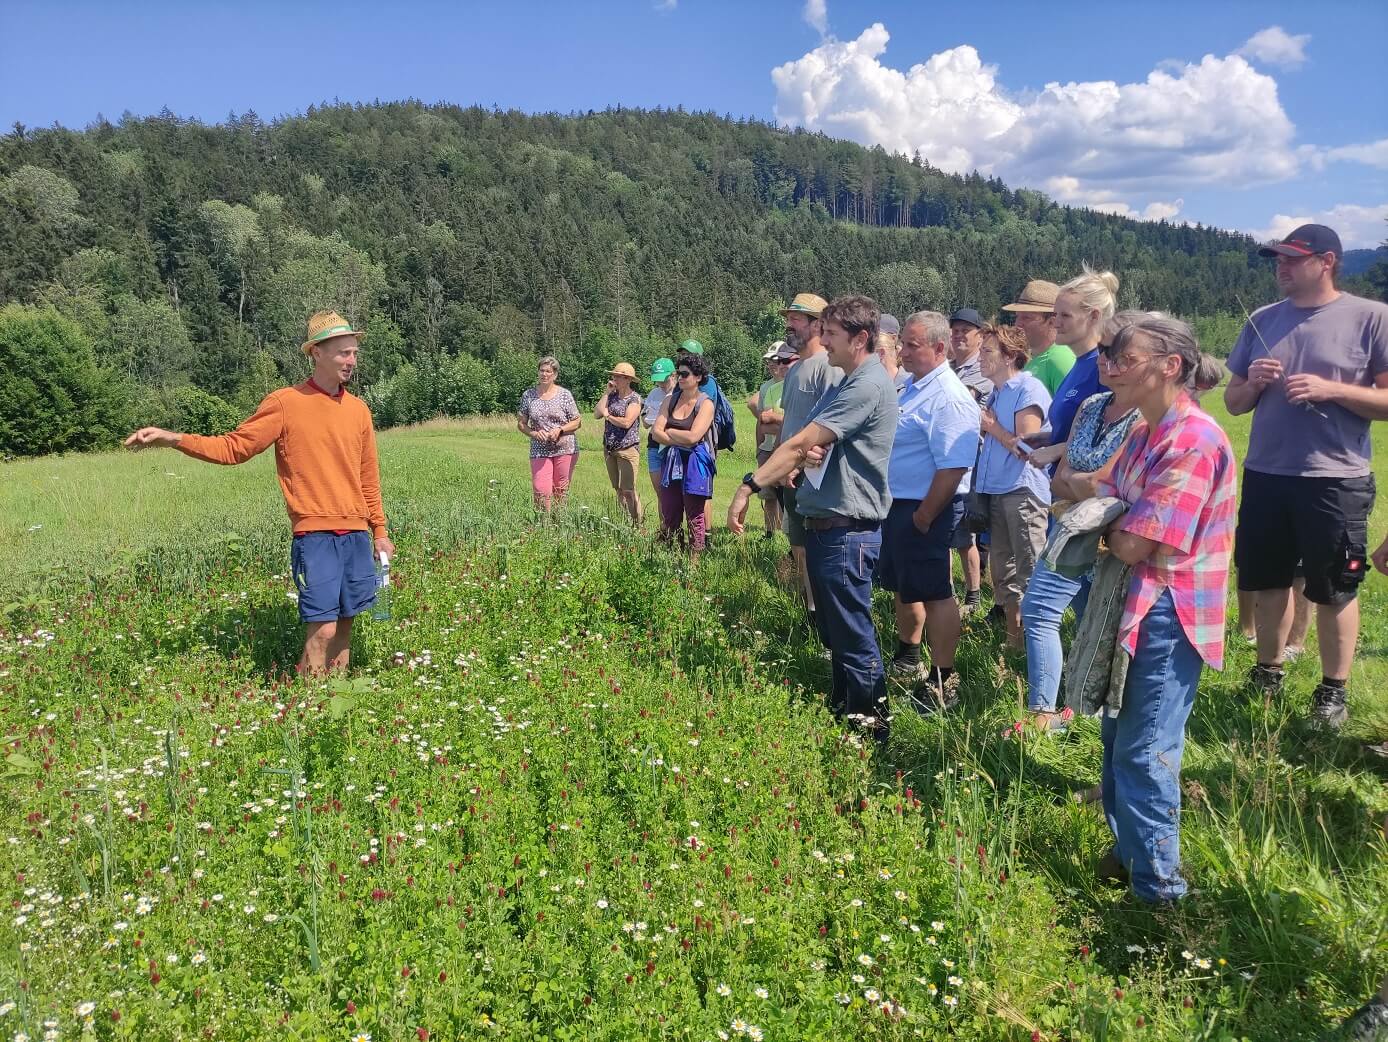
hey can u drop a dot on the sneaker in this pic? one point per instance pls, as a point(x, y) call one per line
point(1108, 869)
point(1369, 1023)
point(1291, 653)
point(1379, 749)
point(1266, 679)
point(1328, 707)
point(930, 697)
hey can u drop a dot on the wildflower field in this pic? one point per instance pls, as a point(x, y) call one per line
point(578, 789)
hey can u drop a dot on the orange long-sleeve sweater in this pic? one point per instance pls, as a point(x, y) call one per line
point(325, 454)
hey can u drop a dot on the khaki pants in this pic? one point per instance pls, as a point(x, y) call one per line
point(1017, 534)
point(621, 467)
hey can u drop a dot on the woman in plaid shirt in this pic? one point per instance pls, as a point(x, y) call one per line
point(1176, 474)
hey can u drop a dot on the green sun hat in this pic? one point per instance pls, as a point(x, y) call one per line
point(662, 370)
point(692, 347)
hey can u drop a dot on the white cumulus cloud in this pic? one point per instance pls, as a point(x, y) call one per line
point(1275, 46)
point(1359, 227)
point(816, 15)
point(1123, 147)
point(1374, 153)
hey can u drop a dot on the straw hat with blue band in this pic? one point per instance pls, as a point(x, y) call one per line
point(324, 325)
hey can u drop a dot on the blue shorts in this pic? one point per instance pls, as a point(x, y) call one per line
point(653, 458)
point(913, 564)
point(335, 575)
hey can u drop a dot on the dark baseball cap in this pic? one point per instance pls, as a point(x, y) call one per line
point(1303, 242)
point(889, 324)
point(968, 315)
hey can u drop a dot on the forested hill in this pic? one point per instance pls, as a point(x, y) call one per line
point(469, 240)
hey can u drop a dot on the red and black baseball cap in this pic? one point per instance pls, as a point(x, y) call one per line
point(1303, 242)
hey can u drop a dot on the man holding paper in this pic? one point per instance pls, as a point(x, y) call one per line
point(844, 450)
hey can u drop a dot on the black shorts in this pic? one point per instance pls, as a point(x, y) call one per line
point(1321, 523)
point(913, 564)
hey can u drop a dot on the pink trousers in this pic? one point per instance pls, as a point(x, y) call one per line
point(549, 478)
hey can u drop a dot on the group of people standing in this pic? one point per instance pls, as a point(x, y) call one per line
point(1070, 446)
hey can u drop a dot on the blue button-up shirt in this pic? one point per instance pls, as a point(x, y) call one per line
point(937, 430)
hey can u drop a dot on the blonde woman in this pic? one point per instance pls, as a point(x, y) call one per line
point(1082, 307)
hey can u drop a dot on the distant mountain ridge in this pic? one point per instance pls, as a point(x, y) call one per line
point(1359, 261)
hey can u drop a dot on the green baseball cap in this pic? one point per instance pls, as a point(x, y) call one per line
point(661, 370)
point(692, 347)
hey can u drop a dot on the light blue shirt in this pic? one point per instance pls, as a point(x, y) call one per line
point(999, 471)
point(937, 429)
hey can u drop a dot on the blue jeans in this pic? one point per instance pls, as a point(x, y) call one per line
point(1142, 755)
point(840, 562)
point(1043, 605)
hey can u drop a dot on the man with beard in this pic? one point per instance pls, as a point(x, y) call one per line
point(1313, 370)
point(805, 384)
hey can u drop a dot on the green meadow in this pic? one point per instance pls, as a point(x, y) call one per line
point(576, 788)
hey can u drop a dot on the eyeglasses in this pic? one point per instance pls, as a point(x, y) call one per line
point(683, 372)
point(1120, 365)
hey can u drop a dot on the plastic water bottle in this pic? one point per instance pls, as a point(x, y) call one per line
point(380, 611)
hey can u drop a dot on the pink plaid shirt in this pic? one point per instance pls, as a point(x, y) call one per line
point(1178, 482)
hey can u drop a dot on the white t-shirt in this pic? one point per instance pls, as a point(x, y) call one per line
point(651, 409)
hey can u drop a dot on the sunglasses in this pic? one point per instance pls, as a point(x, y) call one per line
point(683, 372)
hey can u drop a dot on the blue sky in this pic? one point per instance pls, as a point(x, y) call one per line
point(1244, 115)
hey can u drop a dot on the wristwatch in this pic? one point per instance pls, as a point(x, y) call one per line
point(751, 483)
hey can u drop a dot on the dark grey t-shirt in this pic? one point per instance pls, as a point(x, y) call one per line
point(1345, 341)
point(862, 412)
point(805, 386)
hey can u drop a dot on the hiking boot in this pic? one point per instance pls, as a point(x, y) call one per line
point(1266, 680)
point(930, 696)
point(904, 673)
point(1328, 707)
point(1108, 869)
point(1369, 1023)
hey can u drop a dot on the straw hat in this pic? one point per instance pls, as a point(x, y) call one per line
point(806, 304)
point(623, 369)
point(324, 325)
point(1038, 295)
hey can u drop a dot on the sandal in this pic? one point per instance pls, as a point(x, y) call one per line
point(1042, 720)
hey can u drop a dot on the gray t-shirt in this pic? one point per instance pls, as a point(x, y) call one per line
point(1345, 341)
point(862, 412)
point(971, 376)
point(805, 386)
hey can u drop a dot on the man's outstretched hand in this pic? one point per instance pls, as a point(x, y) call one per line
point(152, 437)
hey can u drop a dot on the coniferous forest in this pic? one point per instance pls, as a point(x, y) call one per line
point(160, 270)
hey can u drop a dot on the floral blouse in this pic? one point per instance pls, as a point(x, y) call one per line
point(1092, 442)
point(616, 438)
point(542, 415)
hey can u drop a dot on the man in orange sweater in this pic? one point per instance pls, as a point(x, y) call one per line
point(325, 454)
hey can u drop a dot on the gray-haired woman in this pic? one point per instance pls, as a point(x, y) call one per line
point(1176, 474)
